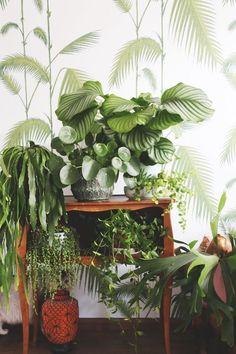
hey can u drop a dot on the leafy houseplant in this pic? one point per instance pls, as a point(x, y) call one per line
point(137, 124)
point(29, 196)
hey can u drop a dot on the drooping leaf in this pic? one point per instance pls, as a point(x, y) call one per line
point(41, 34)
point(123, 5)
point(199, 181)
point(142, 49)
point(20, 62)
point(164, 120)
point(140, 138)
point(39, 5)
point(191, 103)
point(229, 150)
point(162, 151)
point(116, 104)
point(9, 25)
point(192, 23)
point(125, 122)
point(33, 129)
point(72, 81)
point(10, 83)
point(219, 284)
point(106, 177)
point(83, 42)
point(150, 77)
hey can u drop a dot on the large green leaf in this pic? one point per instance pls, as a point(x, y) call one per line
point(72, 81)
point(90, 168)
point(133, 167)
point(164, 120)
point(192, 22)
point(146, 49)
point(41, 34)
point(94, 86)
point(33, 129)
point(199, 181)
point(83, 123)
point(162, 151)
point(123, 5)
point(229, 151)
point(10, 83)
point(115, 104)
point(67, 135)
point(140, 138)
point(191, 103)
point(9, 25)
point(69, 174)
point(75, 103)
point(83, 42)
point(20, 62)
point(106, 177)
point(124, 123)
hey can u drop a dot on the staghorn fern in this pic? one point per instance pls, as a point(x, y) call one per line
point(199, 180)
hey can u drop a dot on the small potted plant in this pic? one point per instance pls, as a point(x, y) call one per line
point(52, 268)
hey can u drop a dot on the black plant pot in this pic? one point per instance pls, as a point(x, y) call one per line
point(60, 348)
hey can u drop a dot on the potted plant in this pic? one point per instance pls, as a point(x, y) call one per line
point(29, 196)
point(52, 268)
point(136, 124)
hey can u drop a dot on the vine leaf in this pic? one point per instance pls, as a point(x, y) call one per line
point(144, 48)
point(229, 149)
point(9, 25)
point(123, 5)
point(19, 62)
point(33, 129)
point(10, 83)
point(83, 42)
point(192, 23)
point(40, 33)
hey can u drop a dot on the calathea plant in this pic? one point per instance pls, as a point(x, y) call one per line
point(137, 124)
point(29, 195)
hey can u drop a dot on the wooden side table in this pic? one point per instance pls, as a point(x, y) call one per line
point(115, 202)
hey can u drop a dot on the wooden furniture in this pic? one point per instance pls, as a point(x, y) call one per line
point(115, 202)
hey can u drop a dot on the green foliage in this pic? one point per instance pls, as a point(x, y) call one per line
point(3, 3)
point(10, 83)
point(72, 81)
point(39, 5)
point(123, 5)
point(229, 151)
point(142, 49)
point(192, 23)
point(9, 25)
point(80, 43)
point(40, 33)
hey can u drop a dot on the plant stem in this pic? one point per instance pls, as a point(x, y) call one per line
point(24, 54)
point(49, 67)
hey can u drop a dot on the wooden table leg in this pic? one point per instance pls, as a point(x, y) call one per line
point(21, 250)
point(166, 302)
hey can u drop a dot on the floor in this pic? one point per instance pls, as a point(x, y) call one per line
point(101, 336)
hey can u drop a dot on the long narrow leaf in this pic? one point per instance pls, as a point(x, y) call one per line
point(10, 83)
point(83, 42)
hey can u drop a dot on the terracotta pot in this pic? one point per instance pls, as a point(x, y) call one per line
point(60, 318)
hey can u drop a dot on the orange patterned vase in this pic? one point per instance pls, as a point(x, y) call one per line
point(60, 318)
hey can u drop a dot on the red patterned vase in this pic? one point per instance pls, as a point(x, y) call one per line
point(60, 318)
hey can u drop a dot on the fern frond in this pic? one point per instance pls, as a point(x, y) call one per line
point(144, 48)
point(229, 150)
point(40, 34)
point(199, 181)
point(83, 42)
point(33, 129)
point(10, 83)
point(72, 81)
point(192, 24)
point(9, 25)
point(150, 77)
point(20, 62)
point(123, 5)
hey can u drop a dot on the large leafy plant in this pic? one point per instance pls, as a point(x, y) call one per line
point(137, 124)
point(29, 197)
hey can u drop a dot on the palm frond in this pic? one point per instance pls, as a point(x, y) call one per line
point(93, 278)
point(72, 81)
point(231, 183)
point(83, 42)
point(199, 181)
point(10, 83)
point(9, 25)
point(144, 48)
point(231, 2)
point(3, 3)
point(229, 216)
point(232, 25)
point(39, 5)
point(192, 23)
point(20, 62)
point(40, 33)
point(123, 5)
point(229, 71)
point(150, 77)
point(33, 129)
point(229, 150)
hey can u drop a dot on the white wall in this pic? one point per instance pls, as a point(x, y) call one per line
point(73, 18)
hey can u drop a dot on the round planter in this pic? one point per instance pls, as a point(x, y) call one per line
point(90, 190)
point(60, 320)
